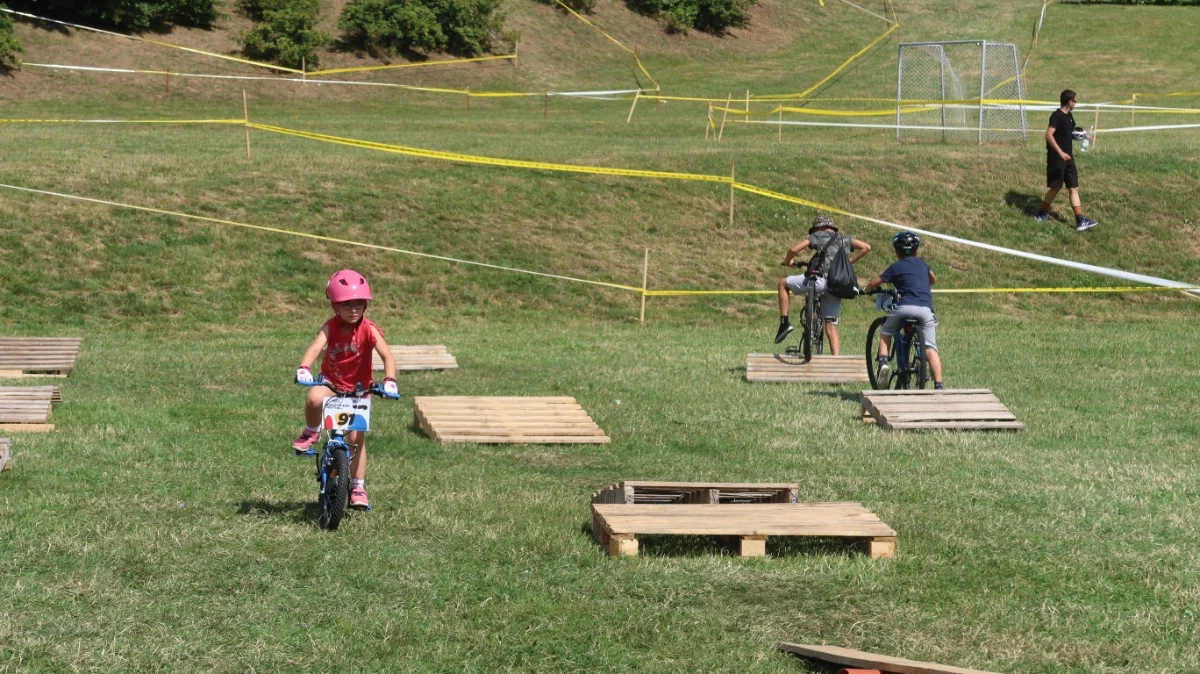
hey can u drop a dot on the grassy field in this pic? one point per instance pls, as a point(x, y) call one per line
point(165, 526)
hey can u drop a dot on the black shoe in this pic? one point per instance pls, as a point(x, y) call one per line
point(938, 386)
point(785, 329)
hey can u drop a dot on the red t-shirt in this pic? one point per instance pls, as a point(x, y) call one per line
point(347, 358)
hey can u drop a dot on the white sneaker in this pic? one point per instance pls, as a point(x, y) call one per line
point(884, 378)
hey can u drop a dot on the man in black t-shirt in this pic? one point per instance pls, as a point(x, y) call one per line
point(1060, 164)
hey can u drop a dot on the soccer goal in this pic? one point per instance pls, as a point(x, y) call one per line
point(959, 91)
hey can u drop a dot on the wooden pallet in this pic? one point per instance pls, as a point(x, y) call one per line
point(640, 491)
point(750, 524)
point(38, 356)
point(970, 409)
point(494, 420)
point(782, 368)
point(854, 658)
point(409, 358)
point(27, 412)
point(30, 393)
point(6, 461)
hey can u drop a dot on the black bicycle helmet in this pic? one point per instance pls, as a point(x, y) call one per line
point(822, 221)
point(906, 243)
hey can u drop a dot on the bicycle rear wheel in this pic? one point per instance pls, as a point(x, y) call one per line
point(873, 336)
point(337, 490)
point(818, 328)
point(919, 365)
point(912, 365)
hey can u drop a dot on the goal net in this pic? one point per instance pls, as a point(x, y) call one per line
point(958, 91)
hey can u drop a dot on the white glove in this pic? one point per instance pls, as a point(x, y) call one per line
point(390, 388)
point(304, 376)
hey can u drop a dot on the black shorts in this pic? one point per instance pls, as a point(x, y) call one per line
point(1059, 171)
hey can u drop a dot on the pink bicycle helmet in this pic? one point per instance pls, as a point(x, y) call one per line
point(347, 285)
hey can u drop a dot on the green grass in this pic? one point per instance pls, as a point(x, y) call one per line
point(164, 526)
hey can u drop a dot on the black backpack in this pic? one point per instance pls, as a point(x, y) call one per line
point(840, 279)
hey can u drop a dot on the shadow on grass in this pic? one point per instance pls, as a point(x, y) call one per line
point(849, 396)
point(715, 546)
point(300, 512)
point(1029, 204)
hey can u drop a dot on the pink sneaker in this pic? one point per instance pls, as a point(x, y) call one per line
point(304, 444)
point(359, 500)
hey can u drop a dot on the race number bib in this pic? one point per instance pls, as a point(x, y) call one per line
point(347, 414)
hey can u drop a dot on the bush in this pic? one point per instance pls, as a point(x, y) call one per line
point(9, 44)
point(713, 16)
point(125, 14)
point(463, 27)
point(285, 36)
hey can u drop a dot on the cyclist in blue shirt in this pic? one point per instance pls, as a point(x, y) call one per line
point(912, 277)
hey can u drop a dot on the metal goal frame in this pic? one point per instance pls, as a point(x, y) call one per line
point(1015, 113)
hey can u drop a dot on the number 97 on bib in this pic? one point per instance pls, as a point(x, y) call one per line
point(347, 414)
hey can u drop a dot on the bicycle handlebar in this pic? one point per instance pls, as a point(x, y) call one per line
point(377, 390)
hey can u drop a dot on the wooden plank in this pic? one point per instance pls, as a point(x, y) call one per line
point(960, 426)
point(752, 546)
point(30, 393)
point(5, 454)
point(782, 368)
point(951, 409)
point(759, 519)
point(928, 392)
point(29, 428)
point(850, 657)
point(526, 439)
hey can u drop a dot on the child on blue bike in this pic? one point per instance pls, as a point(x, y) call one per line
point(347, 339)
point(912, 277)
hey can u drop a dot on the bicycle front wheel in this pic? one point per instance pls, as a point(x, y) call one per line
point(337, 490)
point(873, 336)
point(810, 322)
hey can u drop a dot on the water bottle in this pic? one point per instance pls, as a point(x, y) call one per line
point(1087, 140)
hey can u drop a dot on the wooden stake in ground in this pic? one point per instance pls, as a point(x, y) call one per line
point(636, 95)
point(168, 86)
point(516, 52)
point(746, 120)
point(724, 116)
point(781, 124)
point(468, 100)
point(1095, 125)
point(304, 68)
point(708, 122)
point(246, 118)
point(732, 180)
point(645, 277)
point(546, 107)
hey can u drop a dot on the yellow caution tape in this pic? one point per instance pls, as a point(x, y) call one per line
point(122, 121)
point(615, 41)
point(155, 42)
point(848, 61)
point(1099, 289)
point(318, 237)
point(492, 161)
point(360, 69)
point(819, 112)
point(618, 286)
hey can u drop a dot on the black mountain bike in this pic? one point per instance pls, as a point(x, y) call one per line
point(812, 319)
point(907, 355)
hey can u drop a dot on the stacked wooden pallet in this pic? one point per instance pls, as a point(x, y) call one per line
point(850, 657)
point(749, 524)
point(38, 356)
point(423, 357)
point(642, 491)
point(5, 455)
point(781, 368)
point(950, 409)
point(26, 408)
point(492, 420)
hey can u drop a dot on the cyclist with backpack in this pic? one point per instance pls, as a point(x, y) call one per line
point(912, 277)
point(833, 258)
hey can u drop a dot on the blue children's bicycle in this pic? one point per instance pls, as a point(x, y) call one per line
point(343, 413)
point(906, 358)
